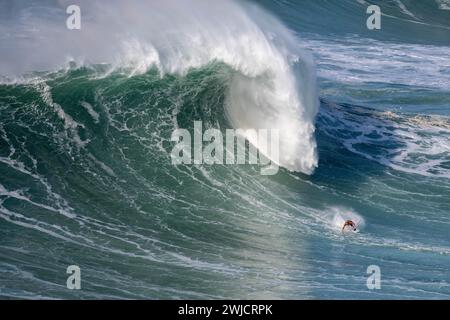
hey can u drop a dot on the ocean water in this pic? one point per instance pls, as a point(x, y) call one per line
point(86, 177)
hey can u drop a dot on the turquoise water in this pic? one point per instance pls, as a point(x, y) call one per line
point(86, 176)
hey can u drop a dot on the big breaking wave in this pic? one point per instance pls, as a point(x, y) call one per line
point(273, 85)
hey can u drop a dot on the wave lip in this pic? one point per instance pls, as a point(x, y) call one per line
point(273, 82)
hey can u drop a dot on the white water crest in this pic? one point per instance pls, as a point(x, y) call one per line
point(273, 84)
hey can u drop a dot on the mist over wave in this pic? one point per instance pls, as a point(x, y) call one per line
point(273, 86)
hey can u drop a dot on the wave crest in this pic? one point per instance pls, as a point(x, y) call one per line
point(273, 84)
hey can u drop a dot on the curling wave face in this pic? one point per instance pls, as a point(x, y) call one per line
point(272, 87)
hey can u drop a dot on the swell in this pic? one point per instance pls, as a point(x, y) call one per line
point(411, 21)
point(273, 85)
point(118, 198)
point(415, 144)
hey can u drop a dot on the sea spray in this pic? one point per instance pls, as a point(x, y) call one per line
point(273, 86)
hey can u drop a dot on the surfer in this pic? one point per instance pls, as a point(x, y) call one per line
point(349, 223)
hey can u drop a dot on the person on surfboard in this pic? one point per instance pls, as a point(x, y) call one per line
point(349, 223)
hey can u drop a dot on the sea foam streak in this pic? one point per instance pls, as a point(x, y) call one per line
point(272, 86)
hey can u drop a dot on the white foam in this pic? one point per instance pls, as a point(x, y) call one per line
point(70, 125)
point(273, 86)
point(443, 4)
point(356, 61)
point(419, 144)
point(404, 9)
point(90, 110)
point(339, 215)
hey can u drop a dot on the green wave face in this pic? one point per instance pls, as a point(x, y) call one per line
point(86, 176)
